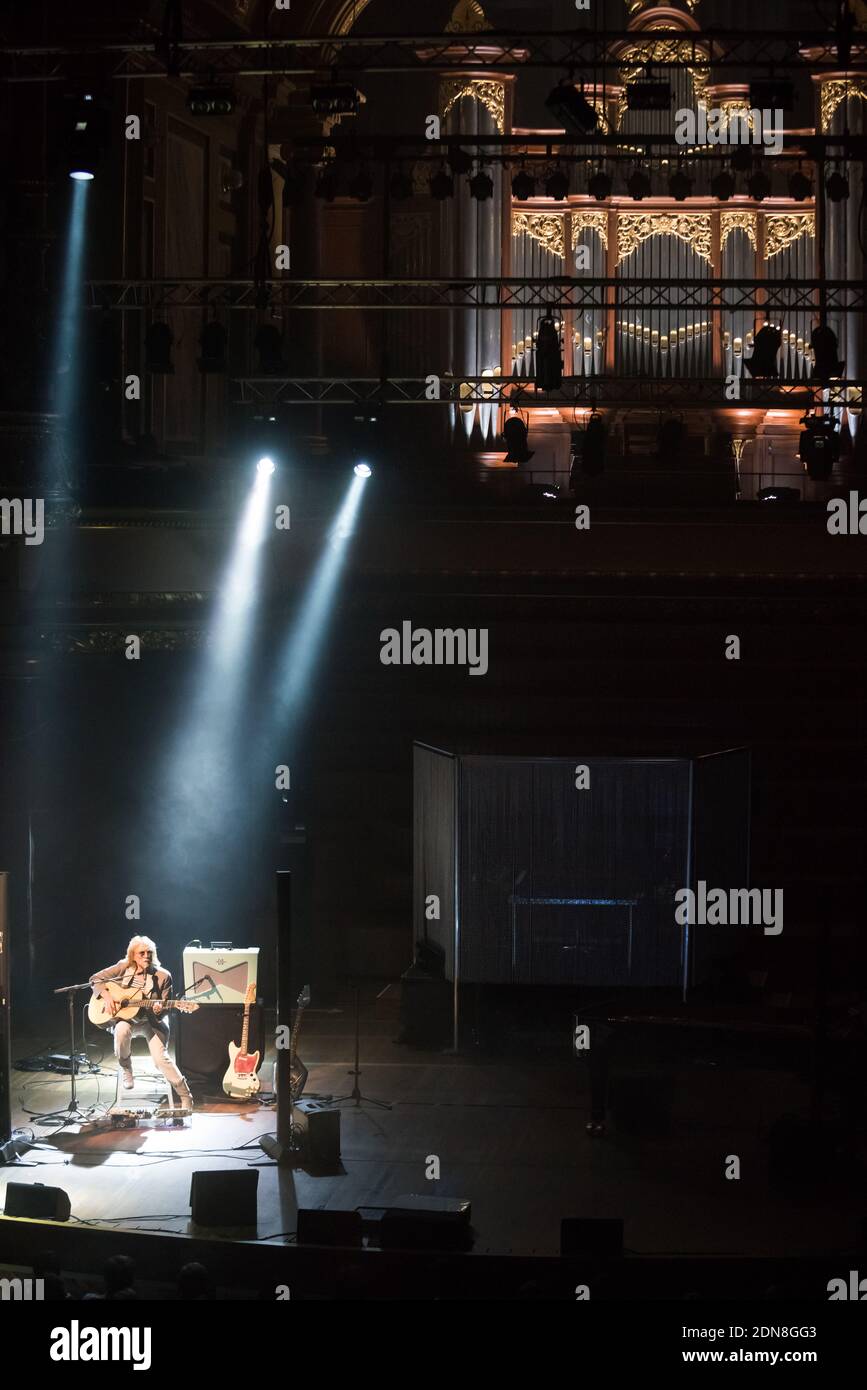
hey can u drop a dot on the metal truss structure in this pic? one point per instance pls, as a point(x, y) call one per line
point(609, 391)
point(563, 292)
point(514, 51)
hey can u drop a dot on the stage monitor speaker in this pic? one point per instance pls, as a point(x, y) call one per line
point(37, 1201)
point(321, 1133)
point(224, 1198)
point(202, 1039)
point(427, 1223)
point(329, 1227)
point(593, 1238)
point(5, 1015)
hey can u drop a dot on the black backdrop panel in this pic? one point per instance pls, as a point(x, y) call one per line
point(202, 1039)
point(722, 849)
point(434, 791)
point(533, 847)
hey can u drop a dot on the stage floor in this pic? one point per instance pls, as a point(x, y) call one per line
point(509, 1136)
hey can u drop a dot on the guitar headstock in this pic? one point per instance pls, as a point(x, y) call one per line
point(250, 996)
point(186, 1006)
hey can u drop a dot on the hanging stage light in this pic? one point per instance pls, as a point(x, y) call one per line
point(336, 99)
point(680, 186)
point(87, 136)
point(800, 186)
point(400, 186)
point(523, 186)
point(759, 186)
point(361, 186)
point(572, 109)
point(515, 435)
point(557, 184)
point(459, 161)
point(648, 94)
point(837, 187)
point(593, 450)
point(481, 186)
point(764, 359)
point(819, 447)
point(362, 470)
point(266, 465)
point(549, 363)
point(599, 185)
point(158, 349)
point(213, 100)
point(722, 185)
point(639, 185)
point(826, 363)
point(212, 340)
point(269, 346)
point(442, 186)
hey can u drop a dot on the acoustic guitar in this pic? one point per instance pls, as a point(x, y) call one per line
point(132, 1003)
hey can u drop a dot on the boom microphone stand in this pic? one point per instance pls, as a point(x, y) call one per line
point(73, 1110)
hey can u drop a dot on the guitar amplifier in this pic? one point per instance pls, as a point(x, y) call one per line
point(202, 1039)
point(219, 977)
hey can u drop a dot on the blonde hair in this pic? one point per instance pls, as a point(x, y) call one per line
point(145, 941)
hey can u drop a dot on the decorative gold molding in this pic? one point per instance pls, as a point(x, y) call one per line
point(834, 92)
point(636, 6)
point(492, 96)
point(670, 50)
point(598, 221)
point(731, 221)
point(635, 227)
point(468, 17)
point(548, 228)
point(782, 228)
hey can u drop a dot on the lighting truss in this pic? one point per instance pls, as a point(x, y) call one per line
point(495, 293)
point(685, 393)
point(354, 53)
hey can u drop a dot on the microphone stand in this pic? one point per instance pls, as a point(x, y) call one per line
point(73, 1110)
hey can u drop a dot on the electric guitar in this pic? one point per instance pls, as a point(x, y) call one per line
point(297, 1069)
point(241, 1080)
point(132, 1002)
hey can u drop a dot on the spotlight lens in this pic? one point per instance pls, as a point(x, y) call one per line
point(266, 465)
point(81, 175)
point(362, 470)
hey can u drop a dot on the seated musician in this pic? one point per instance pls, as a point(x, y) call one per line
point(142, 972)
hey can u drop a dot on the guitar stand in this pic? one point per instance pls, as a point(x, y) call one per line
point(73, 1111)
point(355, 1096)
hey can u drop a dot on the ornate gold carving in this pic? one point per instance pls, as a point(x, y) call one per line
point(545, 227)
point(635, 6)
point(782, 228)
point(835, 91)
point(668, 50)
point(468, 17)
point(635, 227)
point(597, 220)
point(737, 221)
point(492, 96)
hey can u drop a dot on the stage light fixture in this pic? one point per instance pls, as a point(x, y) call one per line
point(326, 184)
point(648, 94)
point(481, 186)
point(599, 185)
point(639, 185)
point(523, 186)
point(515, 435)
point(212, 341)
point(572, 109)
point(158, 349)
point(759, 186)
point(722, 185)
point(826, 362)
point(680, 186)
point(819, 447)
point(800, 186)
point(362, 470)
point(400, 186)
point(213, 100)
point(335, 99)
point(837, 187)
point(442, 186)
point(765, 348)
point(88, 136)
point(557, 184)
point(361, 186)
point(459, 161)
point(593, 450)
point(266, 465)
point(269, 346)
point(772, 94)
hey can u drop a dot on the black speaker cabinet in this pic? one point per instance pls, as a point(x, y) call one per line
point(36, 1200)
point(202, 1039)
point(224, 1198)
point(328, 1227)
point(320, 1132)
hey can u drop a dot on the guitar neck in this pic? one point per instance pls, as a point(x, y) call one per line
point(245, 1030)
